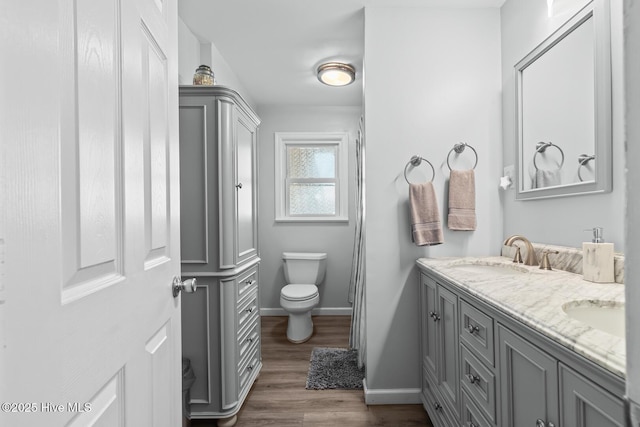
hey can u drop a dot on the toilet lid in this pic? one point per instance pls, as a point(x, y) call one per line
point(299, 292)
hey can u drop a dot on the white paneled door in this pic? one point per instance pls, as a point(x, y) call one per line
point(89, 238)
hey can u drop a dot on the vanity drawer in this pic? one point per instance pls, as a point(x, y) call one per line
point(247, 284)
point(476, 330)
point(479, 383)
point(435, 405)
point(248, 310)
point(247, 368)
point(248, 337)
point(471, 415)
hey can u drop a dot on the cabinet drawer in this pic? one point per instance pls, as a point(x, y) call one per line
point(477, 332)
point(437, 408)
point(246, 370)
point(247, 310)
point(247, 284)
point(471, 416)
point(479, 383)
point(247, 338)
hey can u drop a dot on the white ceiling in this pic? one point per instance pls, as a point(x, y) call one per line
point(275, 46)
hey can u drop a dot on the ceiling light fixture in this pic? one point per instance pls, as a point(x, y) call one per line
point(336, 74)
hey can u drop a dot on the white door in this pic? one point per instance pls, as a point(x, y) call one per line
point(89, 241)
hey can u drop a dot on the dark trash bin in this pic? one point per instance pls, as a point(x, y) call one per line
point(188, 378)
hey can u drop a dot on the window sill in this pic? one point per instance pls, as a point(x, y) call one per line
point(313, 219)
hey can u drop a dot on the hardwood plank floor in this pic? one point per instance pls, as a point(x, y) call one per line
point(279, 398)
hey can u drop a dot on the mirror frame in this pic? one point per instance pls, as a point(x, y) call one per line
point(600, 12)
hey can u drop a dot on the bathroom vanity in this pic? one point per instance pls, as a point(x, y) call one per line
point(501, 345)
point(219, 247)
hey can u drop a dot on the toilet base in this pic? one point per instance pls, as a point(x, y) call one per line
point(299, 327)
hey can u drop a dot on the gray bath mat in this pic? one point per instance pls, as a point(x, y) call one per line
point(334, 368)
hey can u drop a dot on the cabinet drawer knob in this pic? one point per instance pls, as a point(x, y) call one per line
point(437, 406)
point(434, 316)
point(472, 328)
point(239, 185)
point(473, 378)
point(249, 282)
point(250, 368)
point(249, 339)
point(249, 310)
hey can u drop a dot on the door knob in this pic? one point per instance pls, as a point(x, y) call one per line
point(188, 285)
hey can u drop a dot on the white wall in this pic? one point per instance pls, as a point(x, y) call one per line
point(632, 265)
point(192, 53)
point(336, 239)
point(432, 79)
point(561, 221)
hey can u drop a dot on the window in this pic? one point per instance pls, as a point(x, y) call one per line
point(311, 176)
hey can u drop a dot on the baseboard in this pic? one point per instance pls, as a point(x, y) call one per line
point(320, 311)
point(391, 396)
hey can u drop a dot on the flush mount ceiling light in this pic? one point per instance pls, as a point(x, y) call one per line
point(336, 74)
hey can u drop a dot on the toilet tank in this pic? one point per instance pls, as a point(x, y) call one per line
point(304, 267)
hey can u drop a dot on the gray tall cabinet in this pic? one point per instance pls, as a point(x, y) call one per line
point(219, 244)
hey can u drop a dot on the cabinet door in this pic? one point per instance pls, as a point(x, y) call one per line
point(585, 404)
point(246, 203)
point(429, 337)
point(528, 379)
point(448, 367)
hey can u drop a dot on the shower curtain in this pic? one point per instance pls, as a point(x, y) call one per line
point(357, 336)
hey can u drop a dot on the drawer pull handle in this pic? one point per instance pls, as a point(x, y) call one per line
point(249, 282)
point(473, 379)
point(472, 329)
point(239, 185)
point(250, 368)
point(249, 339)
point(437, 406)
point(249, 310)
point(472, 424)
point(434, 316)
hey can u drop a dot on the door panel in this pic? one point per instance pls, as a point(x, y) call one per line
point(92, 240)
point(529, 379)
point(246, 196)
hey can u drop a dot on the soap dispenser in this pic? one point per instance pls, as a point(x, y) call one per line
point(597, 259)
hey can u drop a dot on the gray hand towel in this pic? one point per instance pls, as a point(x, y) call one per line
point(547, 178)
point(462, 200)
point(426, 228)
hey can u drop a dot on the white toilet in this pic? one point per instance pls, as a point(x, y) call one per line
point(303, 272)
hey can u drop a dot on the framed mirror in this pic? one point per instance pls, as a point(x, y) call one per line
point(563, 110)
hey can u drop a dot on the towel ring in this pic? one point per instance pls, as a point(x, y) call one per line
point(459, 148)
point(583, 159)
point(541, 147)
point(416, 161)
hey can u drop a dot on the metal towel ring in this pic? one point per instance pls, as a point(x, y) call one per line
point(459, 148)
point(583, 159)
point(415, 162)
point(541, 147)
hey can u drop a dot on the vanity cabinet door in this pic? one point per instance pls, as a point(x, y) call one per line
point(585, 404)
point(440, 345)
point(529, 382)
point(430, 346)
point(447, 320)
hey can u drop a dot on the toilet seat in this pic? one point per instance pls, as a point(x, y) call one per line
point(299, 292)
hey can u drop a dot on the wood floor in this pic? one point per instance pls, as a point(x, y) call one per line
point(279, 398)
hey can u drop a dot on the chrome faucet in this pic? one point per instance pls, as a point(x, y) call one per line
point(531, 258)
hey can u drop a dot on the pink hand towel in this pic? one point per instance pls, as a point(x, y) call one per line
point(426, 228)
point(462, 200)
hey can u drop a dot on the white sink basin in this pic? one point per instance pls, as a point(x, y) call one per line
point(502, 269)
point(606, 316)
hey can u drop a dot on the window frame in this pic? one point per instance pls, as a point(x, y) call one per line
point(312, 139)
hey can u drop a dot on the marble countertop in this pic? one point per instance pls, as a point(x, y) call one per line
point(535, 297)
